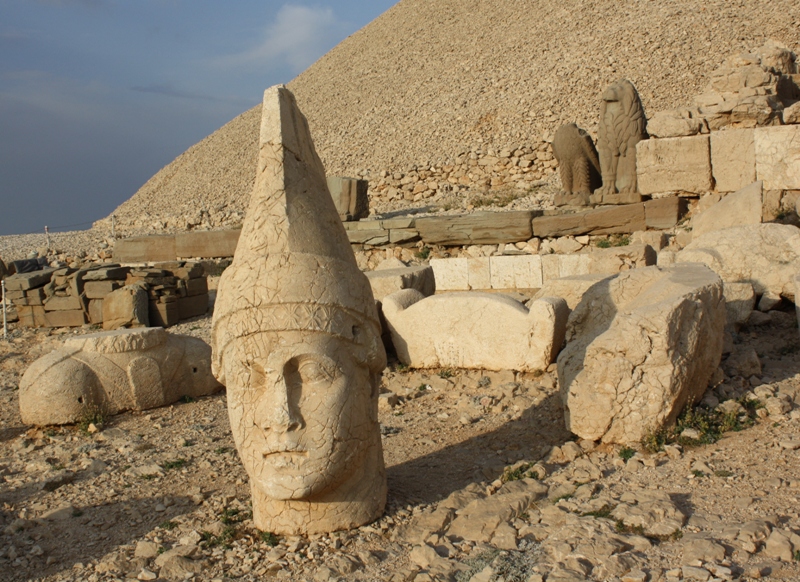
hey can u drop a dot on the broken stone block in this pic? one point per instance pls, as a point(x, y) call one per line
point(350, 197)
point(64, 318)
point(387, 281)
point(99, 289)
point(778, 157)
point(56, 303)
point(451, 274)
point(126, 307)
point(297, 343)
point(676, 164)
point(736, 209)
point(765, 255)
point(514, 272)
point(733, 159)
point(673, 124)
point(474, 330)
point(25, 281)
point(192, 306)
point(112, 272)
point(570, 289)
point(110, 372)
point(31, 316)
point(163, 314)
point(96, 311)
point(640, 346)
point(740, 300)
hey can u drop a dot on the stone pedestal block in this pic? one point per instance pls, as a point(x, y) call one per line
point(733, 159)
point(675, 164)
point(778, 157)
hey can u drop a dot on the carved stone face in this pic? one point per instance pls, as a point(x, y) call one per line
point(302, 411)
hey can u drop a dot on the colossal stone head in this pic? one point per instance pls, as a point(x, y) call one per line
point(296, 340)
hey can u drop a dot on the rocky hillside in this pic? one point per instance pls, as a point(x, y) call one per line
point(428, 81)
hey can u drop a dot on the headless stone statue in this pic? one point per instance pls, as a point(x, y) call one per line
point(578, 165)
point(622, 126)
point(296, 340)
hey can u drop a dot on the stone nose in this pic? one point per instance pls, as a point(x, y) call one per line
point(277, 407)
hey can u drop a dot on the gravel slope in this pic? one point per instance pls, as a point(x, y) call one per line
point(427, 80)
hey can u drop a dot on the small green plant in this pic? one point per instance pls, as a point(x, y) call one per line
point(269, 538)
point(622, 241)
point(629, 529)
point(187, 399)
point(446, 373)
point(423, 253)
point(796, 555)
point(176, 464)
point(564, 497)
point(517, 474)
point(168, 525)
point(222, 450)
point(654, 441)
point(401, 367)
point(626, 453)
point(77, 512)
point(604, 244)
point(723, 473)
point(422, 387)
point(147, 477)
point(93, 416)
point(604, 512)
point(161, 550)
point(699, 474)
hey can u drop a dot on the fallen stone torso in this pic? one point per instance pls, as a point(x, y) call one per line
point(110, 372)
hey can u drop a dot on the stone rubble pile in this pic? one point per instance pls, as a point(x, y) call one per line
point(69, 297)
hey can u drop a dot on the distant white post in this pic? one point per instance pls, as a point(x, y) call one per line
point(113, 226)
point(47, 234)
point(5, 317)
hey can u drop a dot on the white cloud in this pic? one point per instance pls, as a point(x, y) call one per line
point(298, 36)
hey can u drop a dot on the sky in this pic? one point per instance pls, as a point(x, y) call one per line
point(96, 96)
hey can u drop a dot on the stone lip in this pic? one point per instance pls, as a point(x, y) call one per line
point(640, 346)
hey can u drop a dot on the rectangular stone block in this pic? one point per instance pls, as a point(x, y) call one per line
point(516, 272)
point(25, 281)
point(478, 228)
point(115, 273)
point(196, 287)
point(145, 249)
point(67, 303)
point(479, 273)
point(664, 213)
point(163, 314)
point(368, 237)
point(350, 197)
point(387, 281)
point(74, 318)
point(674, 164)
point(31, 316)
point(778, 157)
point(96, 311)
point(403, 222)
point(403, 235)
point(733, 159)
point(192, 306)
point(624, 219)
point(99, 289)
point(451, 274)
point(206, 244)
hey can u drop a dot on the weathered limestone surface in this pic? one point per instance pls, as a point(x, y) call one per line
point(765, 255)
point(578, 162)
point(126, 307)
point(673, 124)
point(25, 281)
point(110, 372)
point(482, 228)
point(144, 249)
point(350, 197)
point(297, 342)
point(640, 346)
point(740, 300)
point(570, 289)
point(778, 157)
point(206, 243)
point(475, 330)
point(733, 159)
point(622, 126)
point(386, 281)
point(675, 164)
point(736, 209)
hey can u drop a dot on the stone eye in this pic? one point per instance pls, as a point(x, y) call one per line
point(311, 371)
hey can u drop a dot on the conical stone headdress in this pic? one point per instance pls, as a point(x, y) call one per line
point(293, 268)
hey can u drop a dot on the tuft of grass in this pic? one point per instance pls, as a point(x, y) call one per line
point(422, 388)
point(423, 253)
point(628, 529)
point(186, 399)
point(77, 512)
point(564, 497)
point(604, 512)
point(446, 373)
point(269, 538)
point(699, 474)
point(510, 566)
point(796, 555)
point(723, 473)
point(176, 464)
point(604, 244)
point(626, 453)
point(521, 472)
point(168, 525)
point(222, 450)
point(500, 199)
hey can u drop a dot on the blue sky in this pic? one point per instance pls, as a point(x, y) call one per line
point(97, 95)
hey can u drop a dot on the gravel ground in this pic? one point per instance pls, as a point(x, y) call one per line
point(427, 81)
point(162, 494)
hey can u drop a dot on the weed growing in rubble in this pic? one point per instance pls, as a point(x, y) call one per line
point(423, 253)
point(506, 565)
point(626, 453)
point(269, 538)
point(710, 424)
point(93, 416)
